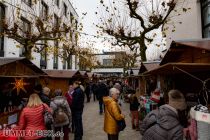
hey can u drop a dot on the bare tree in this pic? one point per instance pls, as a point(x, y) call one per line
point(131, 22)
point(34, 32)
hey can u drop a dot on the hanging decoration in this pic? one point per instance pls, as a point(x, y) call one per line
point(19, 85)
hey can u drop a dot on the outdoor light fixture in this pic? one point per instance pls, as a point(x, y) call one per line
point(19, 85)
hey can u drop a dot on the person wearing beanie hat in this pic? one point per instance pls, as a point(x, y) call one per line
point(164, 123)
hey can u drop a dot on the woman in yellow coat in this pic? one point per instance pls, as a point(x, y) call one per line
point(112, 114)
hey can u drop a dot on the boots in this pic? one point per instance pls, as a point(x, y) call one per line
point(133, 126)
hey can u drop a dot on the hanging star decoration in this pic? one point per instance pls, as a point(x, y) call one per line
point(19, 85)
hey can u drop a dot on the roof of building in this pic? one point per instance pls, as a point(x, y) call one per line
point(26, 62)
point(175, 68)
point(62, 73)
point(178, 47)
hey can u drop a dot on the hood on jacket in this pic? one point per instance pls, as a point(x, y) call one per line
point(167, 118)
point(107, 100)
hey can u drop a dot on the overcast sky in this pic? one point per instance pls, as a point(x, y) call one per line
point(90, 6)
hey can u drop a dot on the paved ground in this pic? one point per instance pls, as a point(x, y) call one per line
point(93, 124)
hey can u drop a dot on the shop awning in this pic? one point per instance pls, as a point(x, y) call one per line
point(176, 68)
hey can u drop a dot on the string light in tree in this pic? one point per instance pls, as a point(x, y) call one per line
point(19, 85)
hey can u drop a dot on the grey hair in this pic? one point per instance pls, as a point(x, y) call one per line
point(113, 91)
point(58, 92)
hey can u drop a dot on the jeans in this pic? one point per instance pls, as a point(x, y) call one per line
point(78, 127)
point(101, 106)
point(113, 137)
point(135, 119)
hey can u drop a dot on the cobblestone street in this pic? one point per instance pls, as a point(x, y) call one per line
point(93, 124)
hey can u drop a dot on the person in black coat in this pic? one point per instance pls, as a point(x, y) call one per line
point(87, 92)
point(101, 92)
point(77, 110)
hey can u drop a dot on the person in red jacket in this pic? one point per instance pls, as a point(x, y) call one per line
point(32, 119)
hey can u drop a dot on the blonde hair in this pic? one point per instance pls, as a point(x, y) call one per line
point(46, 90)
point(34, 100)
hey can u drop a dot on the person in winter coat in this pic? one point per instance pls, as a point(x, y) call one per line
point(164, 124)
point(102, 91)
point(32, 119)
point(61, 107)
point(45, 96)
point(134, 106)
point(77, 110)
point(112, 114)
point(88, 92)
point(39, 90)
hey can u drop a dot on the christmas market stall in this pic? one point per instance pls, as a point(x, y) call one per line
point(186, 67)
point(18, 77)
point(60, 79)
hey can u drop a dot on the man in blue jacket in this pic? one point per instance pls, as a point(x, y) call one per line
point(77, 110)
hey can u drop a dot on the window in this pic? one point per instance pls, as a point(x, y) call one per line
point(65, 9)
point(26, 25)
point(64, 64)
point(55, 58)
point(205, 7)
point(57, 2)
point(44, 11)
point(2, 17)
point(43, 59)
point(28, 2)
point(71, 17)
point(26, 29)
point(107, 62)
point(56, 21)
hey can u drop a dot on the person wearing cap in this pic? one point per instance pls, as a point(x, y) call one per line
point(164, 123)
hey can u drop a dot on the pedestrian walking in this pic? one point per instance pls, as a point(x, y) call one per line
point(32, 119)
point(112, 114)
point(87, 92)
point(69, 97)
point(61, 114)
point(102, 91)
point(94, 89)
point(77, 110)
point(45, 97)
point(164, 123)
point(134, 106)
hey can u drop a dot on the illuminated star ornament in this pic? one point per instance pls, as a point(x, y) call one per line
point(19, 85)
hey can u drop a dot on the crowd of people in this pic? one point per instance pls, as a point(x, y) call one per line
point(66, 109)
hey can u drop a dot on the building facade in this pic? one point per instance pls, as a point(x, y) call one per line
point(195, 23)
point(107, 67)
point(61, 12)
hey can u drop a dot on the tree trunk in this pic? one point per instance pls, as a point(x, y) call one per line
point(27, 52)
point(143, 49)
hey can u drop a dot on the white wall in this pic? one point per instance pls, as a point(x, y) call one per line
point(191, 27)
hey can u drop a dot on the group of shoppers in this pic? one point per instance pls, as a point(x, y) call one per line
point(163, 123)
point(66, 111)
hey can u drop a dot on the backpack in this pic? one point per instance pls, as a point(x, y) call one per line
point(60, 115)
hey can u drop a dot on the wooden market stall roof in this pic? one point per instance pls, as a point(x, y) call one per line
point(175, 68)
point(185, 48)
point(84, 74)
point(19, 67)
point(63, 73)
